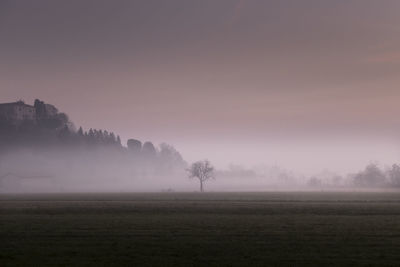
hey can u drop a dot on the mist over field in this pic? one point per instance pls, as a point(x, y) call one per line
point(199, 133)
point(50, 155)
point(276, 95)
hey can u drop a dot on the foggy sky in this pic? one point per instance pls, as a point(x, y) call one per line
point(308, 83)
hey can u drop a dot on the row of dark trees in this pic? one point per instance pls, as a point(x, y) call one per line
point(371, 177)
point(92, 137)
point(56, 133)
point(144, 154)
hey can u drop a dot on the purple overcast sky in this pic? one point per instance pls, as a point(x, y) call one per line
point(305, 84)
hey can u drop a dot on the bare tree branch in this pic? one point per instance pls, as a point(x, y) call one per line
point(203, 171)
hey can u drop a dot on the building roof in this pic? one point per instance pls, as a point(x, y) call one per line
point(17, 103)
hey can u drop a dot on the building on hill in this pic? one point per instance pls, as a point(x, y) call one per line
point(44, 110)
point(17, 112)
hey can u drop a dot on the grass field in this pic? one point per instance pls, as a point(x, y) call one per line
point(210, 229)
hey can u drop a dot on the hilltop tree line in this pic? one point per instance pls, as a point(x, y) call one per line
point(93, 137)
point(56, 138)
point(57, 131)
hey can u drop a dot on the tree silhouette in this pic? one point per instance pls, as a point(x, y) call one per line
point(370, 177)
point(203, 171)
point(394, 175)
point(148, 150)
point(80, 131)
point(134, 145)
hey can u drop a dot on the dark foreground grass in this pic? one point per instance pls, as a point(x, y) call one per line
point(212, 229)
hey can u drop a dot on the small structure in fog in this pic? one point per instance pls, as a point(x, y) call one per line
point(18, 112)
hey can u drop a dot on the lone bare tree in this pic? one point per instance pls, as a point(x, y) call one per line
point(203, 171)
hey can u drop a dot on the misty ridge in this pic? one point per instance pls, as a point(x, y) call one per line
point(41, 150)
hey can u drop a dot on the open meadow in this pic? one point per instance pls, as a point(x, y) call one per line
point(193, 229)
